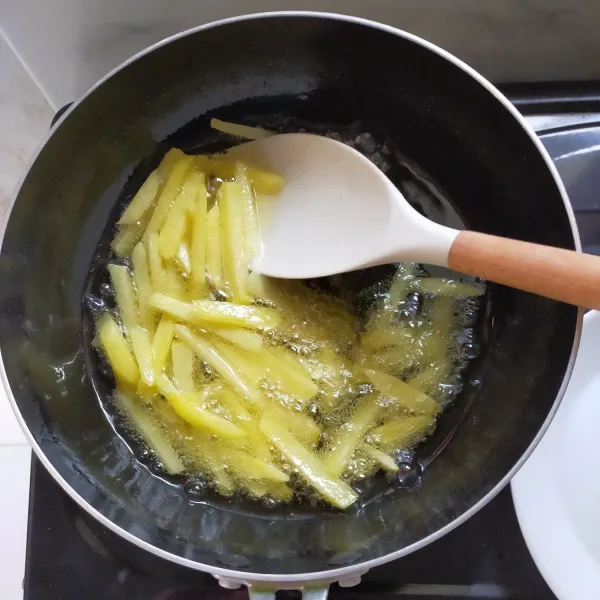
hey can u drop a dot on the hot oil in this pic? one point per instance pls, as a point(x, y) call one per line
point(451, 339)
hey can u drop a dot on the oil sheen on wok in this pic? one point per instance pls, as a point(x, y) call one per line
point(278, 390)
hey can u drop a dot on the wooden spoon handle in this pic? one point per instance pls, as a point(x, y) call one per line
point(552, 272)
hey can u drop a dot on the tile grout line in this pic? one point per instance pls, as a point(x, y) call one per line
point(25, 66)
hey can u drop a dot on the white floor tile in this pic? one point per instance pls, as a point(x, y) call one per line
point(11, 433)
point(15, 462)
point(24, 121)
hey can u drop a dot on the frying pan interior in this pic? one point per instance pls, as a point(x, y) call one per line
point(279, 69)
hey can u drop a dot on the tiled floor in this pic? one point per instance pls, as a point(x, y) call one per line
point(14, 498)
point(24, 120)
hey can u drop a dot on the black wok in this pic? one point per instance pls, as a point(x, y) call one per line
point(458, 134)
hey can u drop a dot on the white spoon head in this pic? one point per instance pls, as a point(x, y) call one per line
point(334, 212)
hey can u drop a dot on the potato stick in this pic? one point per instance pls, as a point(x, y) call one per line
point(434, 345)
point(157, 270)
point(254, 468)
point(227, 313)
point(145, 392)
point(125, 294)
point(243, 131)
point(215, 166)
point(121, 360)
point(246, 362)
point(265, 182)
point(182, 359)
point(129, 235)
point(150, 432)
point(235, 261)
point(299, 423)
point(251, 232)
point(207, 312)
point(214, 248)
point(187, 406)
point(386, 461)
point(333, 489)
point(286, 371)
point(170, 159)
point(257, 444)
point(126, 238)
point(428, 380)
point(447, 287)
point(247, 340)
point(235, 408)
point(389, 360)
point(144, 354)
point(228, 371)
point(141, 277)
point(175, 224)
point(174, 283)
point(260, 488)
point(349, 436)
point(190, 204)
point(262, 287)
point(210, 390)
point(407, 396)
point(198, 244)
point(403, 337)
point(161, 344)
point(300, 305)
point(182, 258)
point(142, 201)
point(171, 189)
point(401, 432)
point(182, 311)
point(214, 462)
point(331, 373)
point(400, 285)
point(361, 466)
point(260, 365)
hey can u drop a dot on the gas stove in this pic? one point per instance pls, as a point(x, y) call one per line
point(69, 556)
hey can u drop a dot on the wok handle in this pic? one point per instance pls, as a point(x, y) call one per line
point(559, 274)
point(307, 594)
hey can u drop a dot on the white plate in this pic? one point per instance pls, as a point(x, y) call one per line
point(557, 492)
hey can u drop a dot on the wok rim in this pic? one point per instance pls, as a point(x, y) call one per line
point(293, 581)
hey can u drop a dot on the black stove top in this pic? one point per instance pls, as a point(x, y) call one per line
point(70, 556)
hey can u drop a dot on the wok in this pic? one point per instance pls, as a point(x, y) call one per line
point(454, 138)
